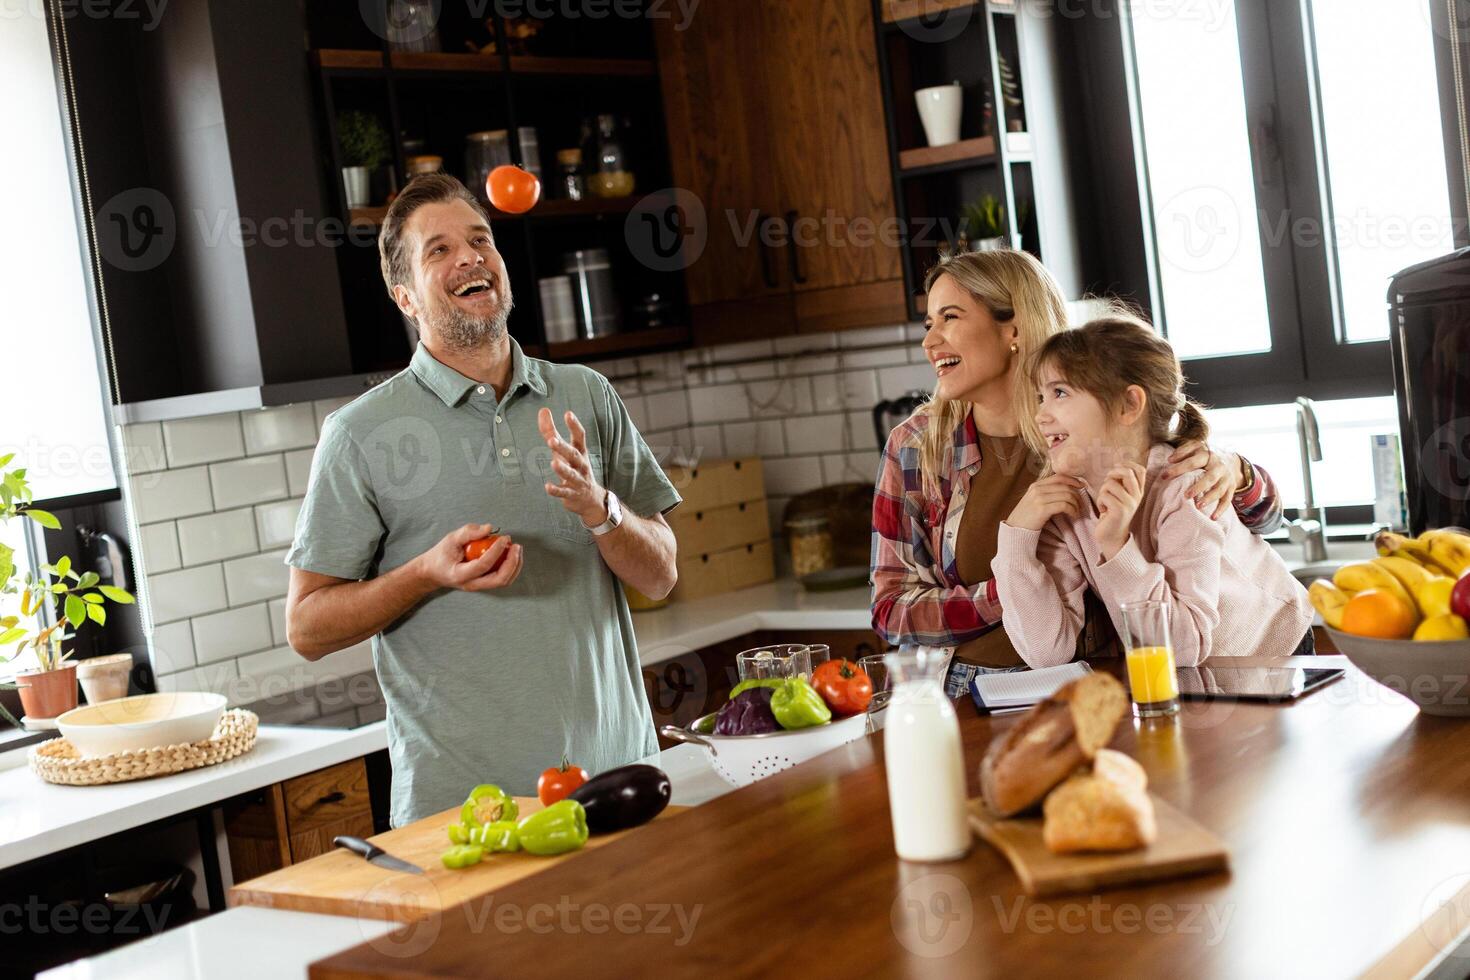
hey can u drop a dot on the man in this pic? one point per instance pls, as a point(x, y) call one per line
point(494, 667)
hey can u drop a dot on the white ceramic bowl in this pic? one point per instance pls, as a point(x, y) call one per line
point(1434, 674)
point(145, 721)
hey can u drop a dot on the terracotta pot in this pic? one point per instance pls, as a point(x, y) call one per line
point(46, 694)
point(105, 678)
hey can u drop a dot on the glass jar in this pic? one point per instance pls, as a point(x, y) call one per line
point(569, 169)
point(810, 541)
point(612, 178)
point(483, 152)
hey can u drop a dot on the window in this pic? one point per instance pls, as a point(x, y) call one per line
point(57, 418)
point(1387, 187)
point(1291, 159)
point(1198, 161)
point(1266, 434)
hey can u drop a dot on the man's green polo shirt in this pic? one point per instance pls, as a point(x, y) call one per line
point(487, 687)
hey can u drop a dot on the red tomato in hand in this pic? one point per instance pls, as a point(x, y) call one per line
point(512, 189)
point(844, 686)
point(479, 546)
point(558, 782)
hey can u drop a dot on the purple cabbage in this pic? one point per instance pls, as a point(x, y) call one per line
point(747, 714)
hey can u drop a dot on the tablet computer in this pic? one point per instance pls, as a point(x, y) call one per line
point(1225, 683)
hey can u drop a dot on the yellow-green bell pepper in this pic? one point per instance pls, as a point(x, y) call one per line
point(462, 856)
point(487, 804)
point(796, 704)
point(499, 837)
point(559, 828)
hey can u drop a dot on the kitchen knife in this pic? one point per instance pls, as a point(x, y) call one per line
point(376, 855)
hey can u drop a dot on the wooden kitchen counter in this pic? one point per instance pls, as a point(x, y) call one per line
point(1347, 815)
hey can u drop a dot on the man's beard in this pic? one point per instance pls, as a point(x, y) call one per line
point(456, 330)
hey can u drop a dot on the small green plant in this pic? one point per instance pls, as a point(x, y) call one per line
point(363, 138)
point(78, 596)
point(985, 218)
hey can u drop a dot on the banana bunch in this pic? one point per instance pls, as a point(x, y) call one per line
point(1422, 572)
point(1444, 550)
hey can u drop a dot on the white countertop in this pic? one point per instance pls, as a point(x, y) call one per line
point(245, 943)
point(39, 818)
point(783, 604)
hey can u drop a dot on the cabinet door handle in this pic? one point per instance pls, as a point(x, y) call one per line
point(796, 276)
point(337, 796)
point(767, 273)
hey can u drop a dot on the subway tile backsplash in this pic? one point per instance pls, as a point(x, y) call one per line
point(216, 497)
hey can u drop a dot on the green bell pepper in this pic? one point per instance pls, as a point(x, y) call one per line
point(460, 833)
point(744, 686)
point(796, 704)
point(499, 837)
point(462, 856)
point(487, 804)
point(559, 828)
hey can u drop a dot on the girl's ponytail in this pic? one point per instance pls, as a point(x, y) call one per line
point(1192, 425)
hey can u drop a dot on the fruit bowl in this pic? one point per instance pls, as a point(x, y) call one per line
point(1435, 675)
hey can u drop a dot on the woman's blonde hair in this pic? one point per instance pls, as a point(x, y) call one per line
point(1110, 354)
point(1015, 288)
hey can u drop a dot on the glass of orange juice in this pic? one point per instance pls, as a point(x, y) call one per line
point(1150, 658)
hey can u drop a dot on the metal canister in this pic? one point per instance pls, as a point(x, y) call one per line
point(593, 291)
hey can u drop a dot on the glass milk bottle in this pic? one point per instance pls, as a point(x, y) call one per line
point(924, 759)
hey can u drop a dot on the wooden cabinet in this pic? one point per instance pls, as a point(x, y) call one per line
point(776, 124)
point(297, 819)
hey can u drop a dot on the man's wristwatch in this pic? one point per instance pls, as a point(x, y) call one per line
point(614, 515)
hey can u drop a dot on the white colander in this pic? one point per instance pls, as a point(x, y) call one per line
point(742, 759)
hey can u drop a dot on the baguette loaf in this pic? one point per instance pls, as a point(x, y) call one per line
point(1107, 809)
point(1054, 739)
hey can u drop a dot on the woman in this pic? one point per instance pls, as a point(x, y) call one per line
point(959, 465)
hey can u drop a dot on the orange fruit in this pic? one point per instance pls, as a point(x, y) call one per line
point(1379, 614)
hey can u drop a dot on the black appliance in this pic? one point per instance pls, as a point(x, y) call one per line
point(1429, 333)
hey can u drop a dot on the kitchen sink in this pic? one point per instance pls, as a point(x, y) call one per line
point(1307, 574)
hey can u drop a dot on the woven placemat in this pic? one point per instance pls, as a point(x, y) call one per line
point(58, 761)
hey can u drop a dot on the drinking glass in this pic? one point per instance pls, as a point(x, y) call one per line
point(819, 653)
point(774, 660)
point(877, 670)
point(1151, 677)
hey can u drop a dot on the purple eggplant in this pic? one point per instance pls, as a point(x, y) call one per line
point(748, 713)
point(623, 797)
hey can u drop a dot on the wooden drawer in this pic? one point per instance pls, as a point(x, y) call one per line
point(718, 483)
point(715, 572)
point(297, 819)
point(720, 528)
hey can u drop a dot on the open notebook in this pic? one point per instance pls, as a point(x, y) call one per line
point(997, 692)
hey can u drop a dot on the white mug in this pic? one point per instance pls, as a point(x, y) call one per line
point(939, 111)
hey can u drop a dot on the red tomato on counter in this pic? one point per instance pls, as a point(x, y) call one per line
point(558, 782)
point(844, 686)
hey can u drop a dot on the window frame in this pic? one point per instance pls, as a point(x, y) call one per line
point(1290, 172)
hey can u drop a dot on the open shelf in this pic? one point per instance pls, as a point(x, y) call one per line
point(346, 59)
point(935, 159)
point(618, 343)
point(899, 10)
point(553, 208)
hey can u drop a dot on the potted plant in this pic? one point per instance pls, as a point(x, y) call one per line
point(984, 223)
point(364, 149)
point(50, 688)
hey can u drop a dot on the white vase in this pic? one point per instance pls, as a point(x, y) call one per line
point(356, 180)
point(939, 111)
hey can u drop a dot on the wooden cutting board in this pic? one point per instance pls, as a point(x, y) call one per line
point(1183, 848)
point(341, 883)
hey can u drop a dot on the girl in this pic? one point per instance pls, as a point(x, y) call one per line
point(1109, 394)
point(958, 466)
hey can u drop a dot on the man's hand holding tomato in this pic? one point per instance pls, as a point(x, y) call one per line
point(446, 564)
point(578, 491)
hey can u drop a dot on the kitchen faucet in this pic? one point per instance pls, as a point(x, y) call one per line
point(1309, 529)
